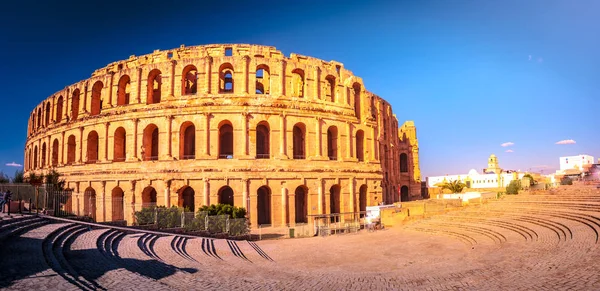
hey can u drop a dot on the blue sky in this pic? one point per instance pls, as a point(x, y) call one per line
point(471, 74)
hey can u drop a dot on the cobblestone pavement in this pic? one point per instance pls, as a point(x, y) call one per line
point(546, 241)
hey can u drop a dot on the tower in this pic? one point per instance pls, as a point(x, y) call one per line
point(493, 166)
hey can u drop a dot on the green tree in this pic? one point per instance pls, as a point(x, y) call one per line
point(53, 179)
point(513, 187)
point(531, 180)
point(19, 177)
point(3, 178)
point(454, 186)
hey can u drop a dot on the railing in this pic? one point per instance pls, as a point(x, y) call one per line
point(263, 156)
point(188, 157)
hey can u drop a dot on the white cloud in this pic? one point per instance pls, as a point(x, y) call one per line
point(507, 144)
point(13, 164)
point(509, 151)
point(566, 141)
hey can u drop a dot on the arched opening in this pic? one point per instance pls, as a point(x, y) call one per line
point(330, 88)
point(262, 141)
point(189, 80)
point(362, 198)
point(59, 109)
point(120, 145)
point(334, 201)
point(154, 86)
point(39, 118)
point(332, 143)
point(360, 144)
point(226, 78)
point(403, 163)
point(117, 204)
point(55, 153)
point(301, 204)
point(71, 146)
point(148, 197)
point(96, 98)
point(43, 163)
point(298, 83)
point(187, 141)
point(226, 195)
point(75, 104)
point(186, 199)
point(299, 144)
point(35, 157)
point(404, 194)
point(264, 205)
point(150, 143)
point(123, 90)
point(47, 115)
point(263, 79)
point(226, 141)
point(89, 203)
point(356, 89)
point(92, 147)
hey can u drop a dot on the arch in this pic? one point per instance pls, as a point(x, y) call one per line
point(299, 146)
point(149, 197)
point(334, 200)
point(59, 109)
point(89, 202)
point(117, 197)
point(123, 90)
point(263, 141)
point(71, 147)
point(186, 198)
point(189, 80)
point(356, 88)
point(154, 86)
point(362, 198)
point(403, 163)
point(96, 98)
point(226, 141)
point(226, 81)
point(92, 147)
point(47, 115)
point(404, 194)
point(330, 88)
point(263, 79)
point(120, 145)
point(360, 146)
point(332, 143)
point(298, 83)
point(75, 104)
point(43, 154)
point(301, 203)
point(187, 141)
point(35, 157)
point(150, 143)
point(264, 205)
point(226, 195)
point(54, 160)
point(39, 118)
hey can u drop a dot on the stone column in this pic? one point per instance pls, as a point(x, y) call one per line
point(167, 193)
point(49, 152)
point(318, 137)
point(284, 208)
point(292, 207)
point(245, 197)
point(106, 125)
point(352, 196)
point(207, 133)
point(374, 144)
point(207, 72)
point(206, 192)
point(320, 203)
point(132, 204)
point(349, 148)
point(282, 77)
point(61, 160)
point(245, 132)
point(135, 137)
point(139, 86)
point(110, 89)
point(172, 89)
point(103, 202)
point(282, 135)
point(66, 106)
point(52, 118)
point(169, 131)
point(245, 74)
point(317, 81)
point(80, 144)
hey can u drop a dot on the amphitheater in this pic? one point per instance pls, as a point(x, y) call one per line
point(541, 241)
point(283, 137)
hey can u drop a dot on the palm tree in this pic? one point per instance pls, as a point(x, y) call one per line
point(454, 186)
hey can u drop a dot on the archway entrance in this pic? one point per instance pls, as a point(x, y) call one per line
point(149, 197)
point(226, 195)
point(117, 204)
point(362, 198)
point(264, 205)
point(89, 203)
point(334, 201)
point(404, 193)
point(301, 205)
point(186, 199)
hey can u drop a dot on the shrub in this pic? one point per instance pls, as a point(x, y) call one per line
point(513, 187)
point(566, 181)
point(223, 209)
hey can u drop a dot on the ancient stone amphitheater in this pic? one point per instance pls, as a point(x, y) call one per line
point(284, 137)
point(542, 241)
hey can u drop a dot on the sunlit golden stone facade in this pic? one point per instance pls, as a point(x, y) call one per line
point(284, 137)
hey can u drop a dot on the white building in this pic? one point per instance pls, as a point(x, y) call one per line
point(575, 162)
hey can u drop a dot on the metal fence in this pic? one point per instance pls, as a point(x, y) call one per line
point(41, 198)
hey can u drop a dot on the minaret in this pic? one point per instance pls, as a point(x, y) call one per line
point(493, 165)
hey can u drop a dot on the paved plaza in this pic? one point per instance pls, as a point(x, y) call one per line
point(541, 241)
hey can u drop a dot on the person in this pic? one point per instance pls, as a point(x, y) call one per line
point(5, 199)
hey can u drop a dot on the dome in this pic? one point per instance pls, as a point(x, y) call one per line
point(492, 156)
point(473, 172)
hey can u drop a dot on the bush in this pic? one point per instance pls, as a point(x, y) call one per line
point(513, 187)
point(223, 209)
point(566, 181)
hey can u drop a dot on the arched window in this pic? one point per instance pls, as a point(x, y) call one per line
point(362, 198)
point(123, 90)
point(187, 141)
point(117, 204)
point(332, 143)
point(403, 163)
point(263, 80)
point(301, 205)
point(186, 199)
point(35, 157)
point(43, 163)
point(39, 118)
point(55, 153)
point(262, 141)
point(299, 145)
point(330, 88)
point(264, 205)
point(149, 197)
point(71, 146)
point(154, 86)
point(226, 195)
point(47, 115)
point(334, 200)
point(89, 203)
point(226, 141)
point(356, 90)
point(96, 98)
point(360, 144)
point(75, 104)
point(404, 194)
point(298, 83)
point(189, 80)
point(150, 143)
point(92, 147)
point(226, 78)
point(59, 109)
point(120, 145)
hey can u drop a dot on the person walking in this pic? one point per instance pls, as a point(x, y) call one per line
point(5, 199)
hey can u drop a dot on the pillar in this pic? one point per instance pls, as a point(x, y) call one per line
point(103, 201)
point(167, 197)
point(172, 83)
point(169, 139)
point(106, 125)
point(282, 134)
point(206, 192)
point(80, 144)
point(61, 159)
point(135, 137)
point(245, 75)
point(207, 63)
point(292, 207)
point(110, 89)
point(320, 204)
point(207, 133)
point(352, 195)
point(282, 77)
point(245, 133)
point(374, 145)
point(139, 85)
point(284, 207)
point(318, 137)
point(349, 149)
point(245, 197)
point(317, 89)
